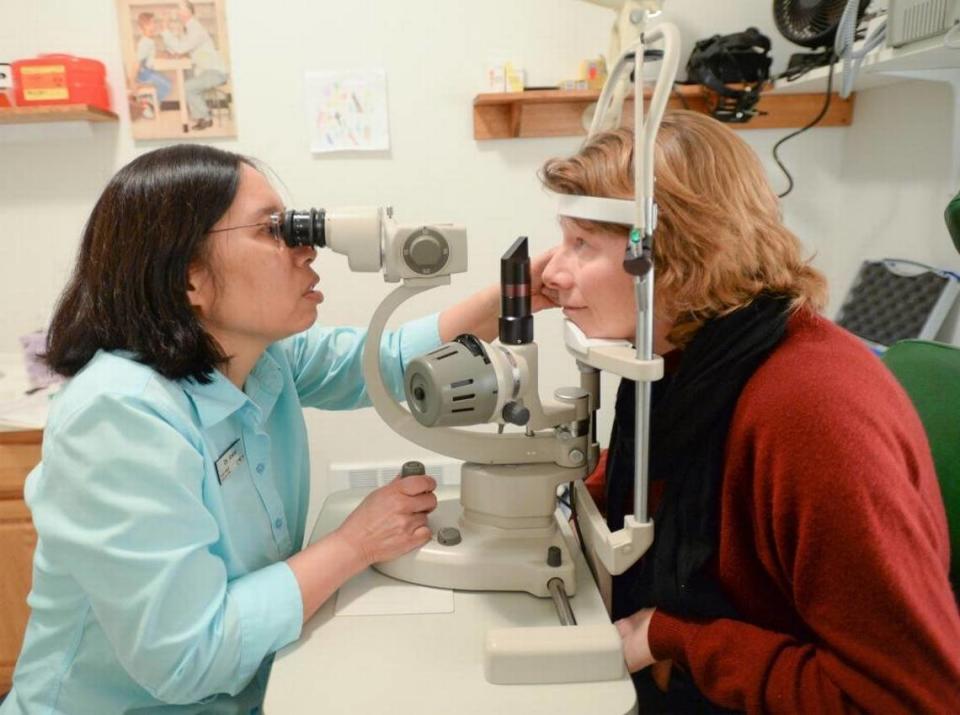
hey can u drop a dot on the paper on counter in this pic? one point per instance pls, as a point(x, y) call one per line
point(371, 594)
point(29, 411)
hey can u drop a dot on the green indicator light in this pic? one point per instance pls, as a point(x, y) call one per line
point(635, 235)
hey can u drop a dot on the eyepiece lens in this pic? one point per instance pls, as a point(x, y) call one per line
point(303, 227)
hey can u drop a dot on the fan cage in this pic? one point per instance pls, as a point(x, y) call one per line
point(811, 23)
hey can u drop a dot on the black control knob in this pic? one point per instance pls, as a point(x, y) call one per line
point(515, 414)
point(554, 557)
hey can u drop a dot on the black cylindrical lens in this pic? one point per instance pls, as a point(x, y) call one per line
point(516, 318)
point(303, 227)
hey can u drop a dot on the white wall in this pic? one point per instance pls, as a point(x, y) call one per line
point(872, 190)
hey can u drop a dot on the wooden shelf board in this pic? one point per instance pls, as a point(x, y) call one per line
point(55, 113)
point(556, 113)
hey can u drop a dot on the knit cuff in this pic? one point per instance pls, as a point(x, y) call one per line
point(669, 636)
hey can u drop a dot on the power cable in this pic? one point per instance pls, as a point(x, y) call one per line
point(816, 120)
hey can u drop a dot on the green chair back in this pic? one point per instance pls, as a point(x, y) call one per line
point(930, 374)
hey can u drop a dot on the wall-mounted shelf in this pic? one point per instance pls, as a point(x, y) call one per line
point(556, 113)
point(55, 113)
point(926, 59)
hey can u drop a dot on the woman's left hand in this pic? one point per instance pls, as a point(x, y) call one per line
point(634, 633)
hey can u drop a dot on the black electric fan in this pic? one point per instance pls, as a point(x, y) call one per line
point(813, 24)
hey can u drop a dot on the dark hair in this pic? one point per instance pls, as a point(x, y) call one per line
point(128, 290)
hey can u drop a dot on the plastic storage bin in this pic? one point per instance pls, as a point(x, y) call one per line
point(60, 79)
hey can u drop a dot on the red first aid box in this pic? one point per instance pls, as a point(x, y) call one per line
point(60, 79)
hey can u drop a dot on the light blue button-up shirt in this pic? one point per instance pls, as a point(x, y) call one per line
point(165, 511)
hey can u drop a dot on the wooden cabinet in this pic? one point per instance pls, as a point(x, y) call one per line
point(19, 453)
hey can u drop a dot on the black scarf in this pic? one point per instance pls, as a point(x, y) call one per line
point(690, 418)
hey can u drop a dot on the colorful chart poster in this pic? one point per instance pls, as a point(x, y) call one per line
point(347, 110)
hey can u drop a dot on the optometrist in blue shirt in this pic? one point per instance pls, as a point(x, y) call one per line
point(171, 499)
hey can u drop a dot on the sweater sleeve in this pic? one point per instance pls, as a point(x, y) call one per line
point(846, 524)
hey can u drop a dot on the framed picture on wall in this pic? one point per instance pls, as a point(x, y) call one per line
point(177, 64)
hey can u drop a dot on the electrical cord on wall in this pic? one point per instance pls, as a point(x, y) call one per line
point(823, 111)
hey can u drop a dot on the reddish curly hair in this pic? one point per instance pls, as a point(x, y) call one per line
point(720, 239)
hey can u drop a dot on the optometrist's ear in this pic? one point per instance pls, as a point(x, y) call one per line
point(200, 288)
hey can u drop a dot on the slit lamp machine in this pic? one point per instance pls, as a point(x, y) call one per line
point(503, 531)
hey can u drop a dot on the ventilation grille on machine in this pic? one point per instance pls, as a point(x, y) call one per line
point(912, 20)
point(375, 474)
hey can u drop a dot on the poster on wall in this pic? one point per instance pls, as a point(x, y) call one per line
point(177, 65)
point(347, 110)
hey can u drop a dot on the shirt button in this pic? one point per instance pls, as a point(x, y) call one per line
point(278, 523)
point(260, 468)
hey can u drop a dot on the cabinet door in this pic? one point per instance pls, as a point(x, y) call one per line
point(19, 453)
point(17, 542)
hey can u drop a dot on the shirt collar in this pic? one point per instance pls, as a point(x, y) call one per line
point(215, 400)
point(220, 398)
point(264, 384)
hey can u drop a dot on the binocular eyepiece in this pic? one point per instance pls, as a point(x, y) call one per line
point(373, 241)
point(304, 227)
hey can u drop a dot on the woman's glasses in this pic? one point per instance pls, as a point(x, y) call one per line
point(270, 227)
point(305, 227)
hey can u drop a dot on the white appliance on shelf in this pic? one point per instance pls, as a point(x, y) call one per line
point(913, 20)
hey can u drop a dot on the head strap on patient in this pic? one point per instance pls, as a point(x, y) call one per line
point(597, 208)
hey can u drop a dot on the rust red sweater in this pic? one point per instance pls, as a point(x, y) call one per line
point(833, 545)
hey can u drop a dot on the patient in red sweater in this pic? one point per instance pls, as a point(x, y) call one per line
point(800, 563)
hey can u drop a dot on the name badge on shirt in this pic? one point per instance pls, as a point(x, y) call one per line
point(229, 460)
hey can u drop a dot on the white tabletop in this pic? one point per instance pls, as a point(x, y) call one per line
point(20, 407)
point(429, 663)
